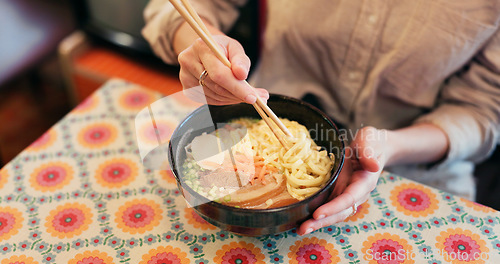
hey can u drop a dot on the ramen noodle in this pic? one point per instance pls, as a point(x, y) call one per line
point(251, 169)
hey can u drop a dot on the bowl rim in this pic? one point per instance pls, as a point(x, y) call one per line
point(333, 177)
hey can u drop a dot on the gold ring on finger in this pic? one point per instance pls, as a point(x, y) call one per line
point(354, 209)
point(203, 75)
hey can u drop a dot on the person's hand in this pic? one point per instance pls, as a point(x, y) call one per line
point(365, 159)
point(222, 85)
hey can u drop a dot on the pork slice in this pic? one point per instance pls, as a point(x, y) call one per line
point(224, 178)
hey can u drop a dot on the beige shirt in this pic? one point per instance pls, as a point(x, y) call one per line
point(384, 63)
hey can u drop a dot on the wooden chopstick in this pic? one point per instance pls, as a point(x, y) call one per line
point(273, 116)
point(193, 19)
point(205, 35)
point(226, 61)
point(271, 126)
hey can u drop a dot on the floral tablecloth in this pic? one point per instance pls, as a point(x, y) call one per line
point(80, 194)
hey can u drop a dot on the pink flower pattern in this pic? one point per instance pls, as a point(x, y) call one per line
point(164, 257)
point(462, 246)
point(7, 221)
point(116, 172)
point(390, 248)
point(51, 176)
point(313, 253)
point(97, 135)
point(92, 260)
point(136, 99)
point(68, 220)
point(42, 140)
point(138, 215)
point(163, 128)
point(414, 200)
point(238, 255)
point(87, 104)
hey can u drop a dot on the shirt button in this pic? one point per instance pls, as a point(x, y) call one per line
point(372, 19)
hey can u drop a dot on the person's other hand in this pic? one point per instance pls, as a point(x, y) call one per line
point(365, 159)
point(223, 85)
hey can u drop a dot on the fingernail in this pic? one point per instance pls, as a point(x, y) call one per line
point(309, 230)
point(320, 217)
point(250, 99)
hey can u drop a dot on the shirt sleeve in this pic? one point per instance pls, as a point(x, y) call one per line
point(468, 110)
point(162, 21)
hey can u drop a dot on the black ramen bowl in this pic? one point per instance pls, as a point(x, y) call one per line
point(257, 222)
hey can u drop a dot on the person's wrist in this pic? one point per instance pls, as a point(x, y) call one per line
point(393, 147)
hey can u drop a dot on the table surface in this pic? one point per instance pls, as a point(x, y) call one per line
point(80, 194)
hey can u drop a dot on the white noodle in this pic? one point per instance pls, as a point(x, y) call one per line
point(305, 167)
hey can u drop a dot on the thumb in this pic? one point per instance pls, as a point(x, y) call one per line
point(365, 155)
point(240, 63)
point(370, 164)
point(365, 151)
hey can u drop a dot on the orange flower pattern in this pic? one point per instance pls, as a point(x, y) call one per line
point(239, 252)
point(414, 200)
point(80, 194)
point(11, 220)
point(360, 214)
point(92, 257)
point(4, 176)
point(387, 248)
point(88, 104)
point(166, 254)
point(51, 176)
point(136, 99)
point(196, 220)
point(477, 207)
point(138, 216)
point(44, 141)
point(460, 246)
point(162, 130)
point(167, 176)
point(116, 173)
point(22, 259)
point(313, 250)
point(68, 220)
point(97, 135)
